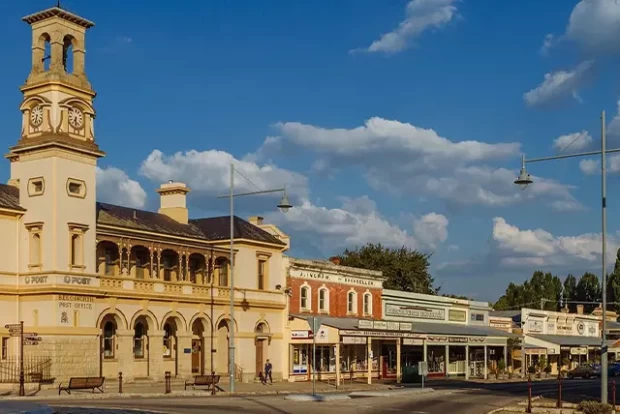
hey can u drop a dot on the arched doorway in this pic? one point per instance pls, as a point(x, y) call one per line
point(170, 347)
point(261, 344)
point(141, 346)
point(108, 366)
point(223, 355)
point(199, 348)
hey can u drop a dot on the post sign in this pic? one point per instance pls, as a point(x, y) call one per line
point(423, 368)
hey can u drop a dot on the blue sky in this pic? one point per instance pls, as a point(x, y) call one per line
point(399, 122)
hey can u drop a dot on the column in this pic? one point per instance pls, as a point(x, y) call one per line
point(180, 268)
point(466, 362)
point(184, 361)
point(506, 357)
point(485, 362)
point(207, 353)
point(120, 259)
point(447, 361)
point(369, 354)
point(425, 352)
point(151, 276)
point(337, 346)
point(155, 354)
point(124, 353)
point(398, 369)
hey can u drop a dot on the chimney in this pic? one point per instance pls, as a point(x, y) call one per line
point(335, 260)
point(256, 220)
point(564, 309)
point(173, 201)
point(579, 309)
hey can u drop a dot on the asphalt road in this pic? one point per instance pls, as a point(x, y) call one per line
point(451, 397)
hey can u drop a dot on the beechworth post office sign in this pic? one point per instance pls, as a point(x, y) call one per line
point(328, 277)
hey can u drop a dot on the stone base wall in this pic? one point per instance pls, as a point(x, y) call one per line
point(71, 356)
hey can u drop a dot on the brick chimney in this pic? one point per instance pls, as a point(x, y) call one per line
point(579, 309)
point(564, 309)
point(335, 260)
point(256, 220)
point(173, 203)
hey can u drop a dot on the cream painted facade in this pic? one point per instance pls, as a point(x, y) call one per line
point(110, 288)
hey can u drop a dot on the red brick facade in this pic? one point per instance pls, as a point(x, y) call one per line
point(336, 299)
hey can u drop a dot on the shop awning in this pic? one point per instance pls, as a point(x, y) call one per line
point(456, 329)
point(569, 340)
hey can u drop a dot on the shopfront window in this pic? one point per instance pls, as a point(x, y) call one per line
point(324, 359)
point(109, 332)
point(138, 341)
point(436, 358)
point(167, 341)
point(300, 359)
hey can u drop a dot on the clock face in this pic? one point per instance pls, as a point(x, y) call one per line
point(36, 116)
point(76, 118)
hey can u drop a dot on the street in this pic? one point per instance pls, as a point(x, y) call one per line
point(450, 397)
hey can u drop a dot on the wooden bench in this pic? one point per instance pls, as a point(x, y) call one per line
point(82, 383)
point(204, 381)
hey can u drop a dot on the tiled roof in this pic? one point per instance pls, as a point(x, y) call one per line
point(131, 218)
point(9, 197)
point(212, 229)
point(218, 228)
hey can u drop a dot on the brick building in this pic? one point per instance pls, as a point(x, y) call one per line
point(324, 287)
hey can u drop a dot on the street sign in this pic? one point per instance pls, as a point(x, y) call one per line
point(13, 325)
point(33, 338)
point(15, 334)
point(315, 323)
point(31, 342)
point(31, 334)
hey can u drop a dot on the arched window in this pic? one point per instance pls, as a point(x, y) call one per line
point(304, 298)
point(167, 341)
point(323, 300)
point(367, 304)
point(109, 334)
point(138, 341)
point(67, 54)
point(352, 303)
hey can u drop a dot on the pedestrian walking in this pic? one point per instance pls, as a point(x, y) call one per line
point(268, 368)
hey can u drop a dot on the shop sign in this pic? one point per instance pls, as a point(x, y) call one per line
point(393, 326)
point(551, 328)
point(353, 340)
point(365, 324)
point(457, 315)
point(334, 278)
point(380, 325)
point(384, 334)
point(457, 339)
point(413, 341)
point(535, 326)
point(405, 326)
point(581, 328)
point(552, 351)
point(564, 328)
point(592, 329)
point(494, 341)
point(415, 312)
point(301, 335)
point(579, 351)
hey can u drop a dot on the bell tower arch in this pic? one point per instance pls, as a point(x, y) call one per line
point(54, 160)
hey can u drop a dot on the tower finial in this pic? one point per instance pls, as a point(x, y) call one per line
point(58, 5)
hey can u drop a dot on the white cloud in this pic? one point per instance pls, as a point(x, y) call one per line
point(403, 159)
point(422, 15)
point(575, 141)
point(613, 129)
point(115, 187)
point(591, 167)
point(547, 44)
point(538, 247)
point(208, 173)
point(356, 223)
point(559, 85)
point(595, 26)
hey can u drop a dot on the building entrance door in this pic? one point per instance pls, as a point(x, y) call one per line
point(259, 355)
point(196, 355)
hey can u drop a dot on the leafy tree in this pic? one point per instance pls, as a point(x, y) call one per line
point(588, 290)
point(531, 292)
point(445, 295)
point(405, 269)
point(613, 285)
point(570, 292)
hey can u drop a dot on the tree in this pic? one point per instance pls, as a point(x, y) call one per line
point(570, 291)
point(532, 292)
point(588, 290)
point(404, 268)
point(445, 295)
point(613, 285)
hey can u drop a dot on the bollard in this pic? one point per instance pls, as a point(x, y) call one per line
point(529, 394)
point(213, 387)
point(120, 382)
point(613, 394)
point(559, 403)
point(167, 382)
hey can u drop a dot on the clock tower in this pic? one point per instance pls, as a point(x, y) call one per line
point(54, 161)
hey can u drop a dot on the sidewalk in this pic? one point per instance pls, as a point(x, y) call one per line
point(150, 389)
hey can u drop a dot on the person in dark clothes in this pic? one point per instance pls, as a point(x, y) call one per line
point(268, 368)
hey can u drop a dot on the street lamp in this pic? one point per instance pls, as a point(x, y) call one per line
point(524, 179)
point(284, 205)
